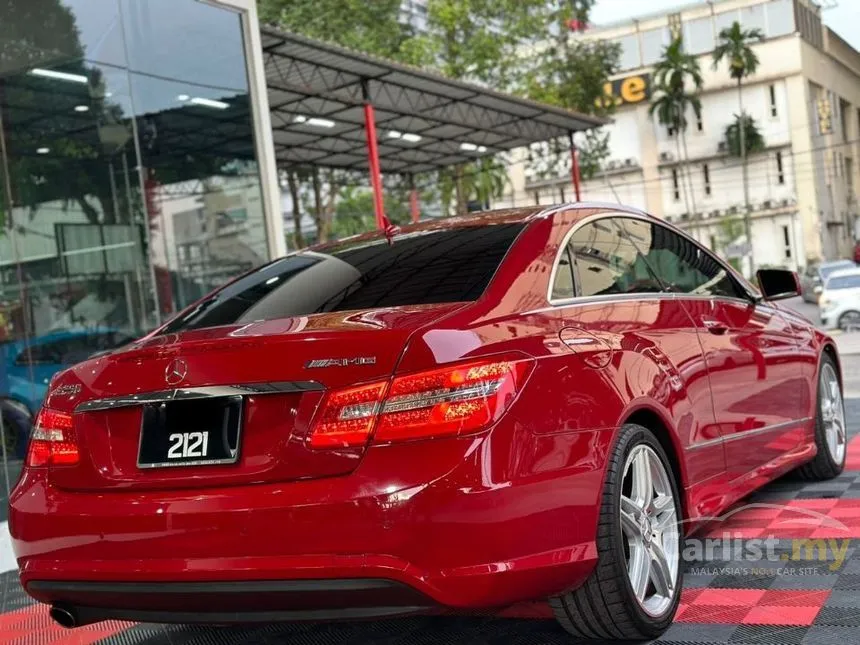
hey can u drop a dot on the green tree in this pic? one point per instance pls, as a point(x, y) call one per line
point(675, 74)
point(728, 232)
point(370, 27)
point(479, 40)
point(734, 47)
point(571, 72)
point(354, 211)
point(751, 139)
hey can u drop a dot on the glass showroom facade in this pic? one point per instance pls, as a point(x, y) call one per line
point(130, 182)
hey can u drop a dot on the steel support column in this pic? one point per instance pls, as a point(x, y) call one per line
point(373, 158)
point(574, 166)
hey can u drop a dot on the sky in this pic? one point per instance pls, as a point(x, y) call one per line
point(843, 18)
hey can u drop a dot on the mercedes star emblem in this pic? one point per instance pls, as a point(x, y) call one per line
point(175, 371)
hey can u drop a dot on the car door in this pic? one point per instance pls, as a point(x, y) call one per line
point(753, 359)
point(624, 307)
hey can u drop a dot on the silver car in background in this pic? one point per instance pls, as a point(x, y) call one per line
point(813, 279)
point(839, 304)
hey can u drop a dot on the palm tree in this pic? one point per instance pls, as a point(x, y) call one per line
point(487, 180)
point(734, 47)
point(672, 74)
point(753, 141)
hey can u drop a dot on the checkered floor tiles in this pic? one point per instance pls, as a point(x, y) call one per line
point(783, 568)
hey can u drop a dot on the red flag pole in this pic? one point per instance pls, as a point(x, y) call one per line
point(413, 200)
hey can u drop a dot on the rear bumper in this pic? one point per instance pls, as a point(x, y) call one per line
point(232, 602)
point(450, 534)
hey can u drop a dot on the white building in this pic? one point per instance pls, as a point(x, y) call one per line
point(805, 99)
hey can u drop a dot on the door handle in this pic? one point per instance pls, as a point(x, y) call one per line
point(715, 326)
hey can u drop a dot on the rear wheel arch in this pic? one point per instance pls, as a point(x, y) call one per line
point(830, 350)
point(656, 423)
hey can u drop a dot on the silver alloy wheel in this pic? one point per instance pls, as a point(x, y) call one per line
point(649, 523)
point(832, 413)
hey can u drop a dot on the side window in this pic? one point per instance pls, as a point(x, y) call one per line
point(42, 354)
point(563, 285)
point(679, 264)
point(606, 262)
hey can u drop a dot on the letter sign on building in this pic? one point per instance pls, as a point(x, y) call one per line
point(625, 91)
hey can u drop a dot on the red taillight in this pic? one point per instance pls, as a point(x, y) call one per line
point(448, 401)
point(347, 416)
point(52, 442)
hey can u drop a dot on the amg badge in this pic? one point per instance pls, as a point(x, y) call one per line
point(66, 390)
point(340, 362)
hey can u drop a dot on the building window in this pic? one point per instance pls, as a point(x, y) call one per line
point(780, 173)
point(706, 174)
point(700, 126)
point(713, 243)
point(537, 198)
point(772, 94)
point(675, 185)
point(786, 240)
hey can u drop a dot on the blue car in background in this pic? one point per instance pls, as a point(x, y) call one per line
point(26, 368)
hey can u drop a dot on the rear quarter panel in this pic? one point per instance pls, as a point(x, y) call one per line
point(566, 417)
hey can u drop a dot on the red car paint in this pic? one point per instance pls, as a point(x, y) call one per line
point(479, 519)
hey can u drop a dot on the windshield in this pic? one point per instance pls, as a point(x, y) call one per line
point(843, 282)
point(827, 269)
point(430, 267)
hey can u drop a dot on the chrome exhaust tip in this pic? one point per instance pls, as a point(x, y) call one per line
point(63, 617)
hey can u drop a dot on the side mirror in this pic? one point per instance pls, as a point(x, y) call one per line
point(778, 284)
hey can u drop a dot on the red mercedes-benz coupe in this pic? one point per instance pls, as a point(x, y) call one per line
point(462, 414)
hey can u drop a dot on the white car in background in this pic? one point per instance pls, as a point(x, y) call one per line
point(839, 304)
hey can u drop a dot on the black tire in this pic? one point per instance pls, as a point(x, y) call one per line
point(605, 606)
point(823, 466)
point(17, 424)
point(842, 323)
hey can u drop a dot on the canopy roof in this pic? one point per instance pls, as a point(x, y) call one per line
point(317, 93)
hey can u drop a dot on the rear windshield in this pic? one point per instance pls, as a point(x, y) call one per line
point(843, 282)
point(451, 265)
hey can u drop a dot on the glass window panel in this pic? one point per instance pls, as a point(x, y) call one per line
point(724, 21)
point(87, 240)
point(563, 285)
point(197, 146)
point(699, 36)
point(679, 264)
point(43, 34)
point(653, 42)
point(606, 262)
point(417, 269)
point(185, 40)
point(100, 30)
point(753, 17)
point(780, 17)
point(75, 224)
point(630, 58)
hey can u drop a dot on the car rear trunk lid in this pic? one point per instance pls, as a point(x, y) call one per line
point(277, 371)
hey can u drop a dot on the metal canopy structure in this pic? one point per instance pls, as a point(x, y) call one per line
point(309, 80)
point(332, 107)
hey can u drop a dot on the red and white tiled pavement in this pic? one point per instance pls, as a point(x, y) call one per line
point(801, 598)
